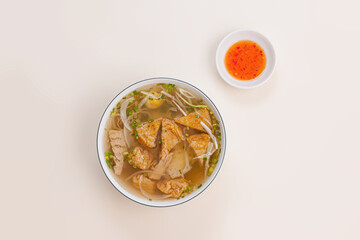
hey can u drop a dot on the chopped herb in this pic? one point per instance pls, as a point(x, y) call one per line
point(135, 92)
point(159, 142)
point(150, 199)
point(211, 113)
point(218, 133)
point(138, 125)
point(200, 186)
point(219, 138)
point(190, 189)
point(145, 175)
point(180, 171)
point(113, 112)
point(196, 116)
point(162, 96)
point(151, 98)
point(136, 108)
point(205, 158)
point(108, 153)
point(109, 163)
point(128, 112)
point(170, 87)
point(105, 129)
point(132, 149)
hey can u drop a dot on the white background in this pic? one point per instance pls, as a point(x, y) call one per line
point(292, 163)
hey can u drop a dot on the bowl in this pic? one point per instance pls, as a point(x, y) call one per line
point(239, 35)
point(109, 173)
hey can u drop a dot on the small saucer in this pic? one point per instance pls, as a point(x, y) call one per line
point(250, 35)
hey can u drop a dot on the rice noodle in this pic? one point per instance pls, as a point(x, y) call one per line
point(179, 101)
point(126, 132)
point(192, 105)
point(187, 99)
point(182, 111)
point(168, 95)
point(123, 108)
point(143, 101)
point(148, 196)
point(206, 166)
point(210, 133)
point(150, 95)
point(186, 93)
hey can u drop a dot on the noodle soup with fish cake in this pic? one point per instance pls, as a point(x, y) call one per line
point(162, 142)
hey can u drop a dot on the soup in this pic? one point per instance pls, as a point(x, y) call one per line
point(162, 141)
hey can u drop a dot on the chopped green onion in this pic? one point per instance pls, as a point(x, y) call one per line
point(150, 199)
point(196, 116)
point(136, 108)
point(190, 189)
point(192, 105)
point(159, 142)
point(162, 96)
point(151, 98)
point(109, 163)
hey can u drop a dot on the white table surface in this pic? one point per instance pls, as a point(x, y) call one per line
point(292, 163)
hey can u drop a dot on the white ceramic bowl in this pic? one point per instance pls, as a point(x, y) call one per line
point(240, 35)
point(109, 173)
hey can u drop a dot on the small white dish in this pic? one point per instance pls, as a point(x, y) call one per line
point(250, 35)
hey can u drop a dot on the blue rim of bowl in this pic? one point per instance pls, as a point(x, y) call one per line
point(224, 137)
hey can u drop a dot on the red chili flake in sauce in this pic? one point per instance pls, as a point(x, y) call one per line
point(245, 60)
